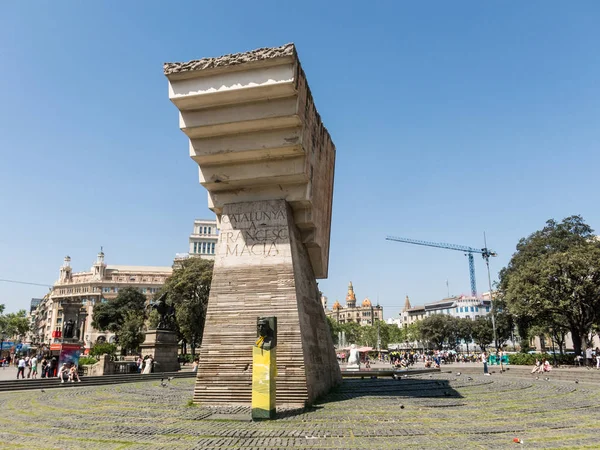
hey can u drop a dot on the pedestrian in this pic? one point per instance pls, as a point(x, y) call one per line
point(597, 358)
point(63, 373)
point(21, 368)
point(500, 356)
point(588, 356)
point(485, 363)
point(44, 367)
point(28, 365)
point(195, 365)
point(34, 367)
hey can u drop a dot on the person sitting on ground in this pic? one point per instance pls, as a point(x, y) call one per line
point(63, 373)
point(74, 374)
point(538, 367)
point(546, 367)
point(195, 365)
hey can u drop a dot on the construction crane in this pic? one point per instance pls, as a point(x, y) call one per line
point(485, 254)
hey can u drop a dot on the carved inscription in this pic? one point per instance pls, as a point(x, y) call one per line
point(253, 233)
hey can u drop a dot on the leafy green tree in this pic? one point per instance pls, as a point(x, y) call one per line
point(353, 332)
point(482, 331)
point(112, 314)
point(130, 335)
point(439, 329)
point(116, 316)
point(556, 273)
point(14, 324)
point(413, 332)
point(188, 290)
point(397, 335)
point(464, 330)
point(103, 349)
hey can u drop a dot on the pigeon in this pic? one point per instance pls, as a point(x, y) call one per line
point(43, 391)
point(246, 367)
point(458, 374)
point(170, 378)
point(547, 379)
point(163, 384)
point(469, 379)
point(161, 380)
point(430, 376)
point(576, 381)
point(401, 406)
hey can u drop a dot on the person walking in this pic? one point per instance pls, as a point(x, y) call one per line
point(597, 358)
point(28, 365)
point(21, 368)
point(34, 367)
point(485, 363)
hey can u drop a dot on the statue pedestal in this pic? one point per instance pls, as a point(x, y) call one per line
point(162, 346)
point(262, 268)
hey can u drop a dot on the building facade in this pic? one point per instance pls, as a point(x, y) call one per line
point(365, 314)
point(101, 284)
point(462, 306)
point(203, 240)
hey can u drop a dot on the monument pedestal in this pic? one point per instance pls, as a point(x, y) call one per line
point(162, 346)
point(262, 268)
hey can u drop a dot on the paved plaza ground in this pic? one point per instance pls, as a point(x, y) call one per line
point(427, 411)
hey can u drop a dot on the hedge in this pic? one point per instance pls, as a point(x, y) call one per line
point(528, 359)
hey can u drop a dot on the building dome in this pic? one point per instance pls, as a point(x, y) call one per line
point(337, 306)
point(366, 303)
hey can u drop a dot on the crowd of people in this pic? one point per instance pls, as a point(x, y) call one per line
point(43, 366)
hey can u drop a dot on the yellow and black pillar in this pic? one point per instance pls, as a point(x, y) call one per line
point(264, 369)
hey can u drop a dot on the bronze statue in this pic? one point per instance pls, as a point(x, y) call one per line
point(265, 334)
point(68, 329)
point(166, 312)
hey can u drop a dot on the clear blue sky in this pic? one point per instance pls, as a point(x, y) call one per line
point(450, 119)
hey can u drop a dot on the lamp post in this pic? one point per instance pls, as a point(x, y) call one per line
point(486, 255)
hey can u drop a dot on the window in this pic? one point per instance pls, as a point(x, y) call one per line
point(212, 248)
point(457, 309)
point(209, 230)
point(106, 290)
point(472, 309)
point(204, 230)
point(487, 309)
point(461, 309)
point(144, 290)
point(477, 309)
point(203, 247)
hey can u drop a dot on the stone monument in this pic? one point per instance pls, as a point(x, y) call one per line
point(267, 162)
point(161, 343)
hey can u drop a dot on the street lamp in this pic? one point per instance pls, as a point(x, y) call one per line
point(486, 255)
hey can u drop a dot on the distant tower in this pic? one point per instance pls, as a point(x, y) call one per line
point(350, 298)
point(99, 267)
point(406, 304)
point(66, 273)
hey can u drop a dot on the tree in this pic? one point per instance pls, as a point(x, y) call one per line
point(130, 335)
point(15, 324)
point(439, 329)
point(465, 330)
point(123, 316)
point(482, 331)
point(556, 273)
point(188, 289)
